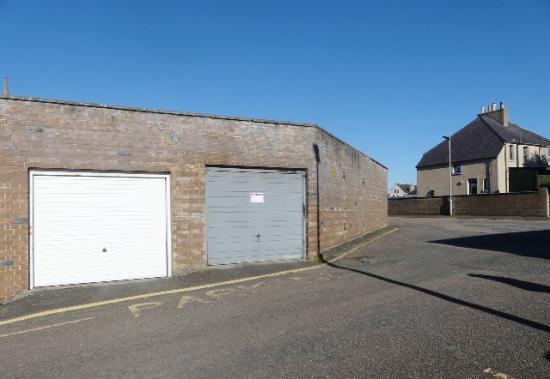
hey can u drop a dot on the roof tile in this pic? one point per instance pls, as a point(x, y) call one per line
point(480, 139)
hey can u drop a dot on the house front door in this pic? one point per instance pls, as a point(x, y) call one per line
point(472, 186)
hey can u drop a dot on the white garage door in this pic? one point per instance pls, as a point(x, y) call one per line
point(97, 227)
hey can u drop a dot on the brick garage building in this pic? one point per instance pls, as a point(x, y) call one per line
point(91, 192)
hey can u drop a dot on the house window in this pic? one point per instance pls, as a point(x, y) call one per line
point(511, 152)
point(457, 169)
point(472, 186)
point(525, 153)
point(486, 185)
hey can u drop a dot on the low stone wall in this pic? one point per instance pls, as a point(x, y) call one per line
point(414, 206)
point(523, 204)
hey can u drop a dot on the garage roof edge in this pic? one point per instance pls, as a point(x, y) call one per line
point(188, 114)
point(153, 110)
point(350, 146)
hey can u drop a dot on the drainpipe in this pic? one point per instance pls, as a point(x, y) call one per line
point(450, 178)
point(506, 174)
point(317, 161)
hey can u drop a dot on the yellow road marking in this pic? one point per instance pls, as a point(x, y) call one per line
point(217, 294)
point(496, 374)
point(80, 307)
point(220, 292)
point(252, 288)
point(45, 327)
point(136, 309)
point(187, 299)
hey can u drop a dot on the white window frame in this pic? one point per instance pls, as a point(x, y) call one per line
point(454, 171)
point(511, 152)
point(41, 172)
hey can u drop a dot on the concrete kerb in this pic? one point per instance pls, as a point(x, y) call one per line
point(351, 248)
point(341, 251)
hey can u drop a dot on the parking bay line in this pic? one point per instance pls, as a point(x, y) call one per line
point(80, 307)
point(45, 327)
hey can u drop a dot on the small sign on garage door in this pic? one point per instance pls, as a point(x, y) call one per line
point(256, 197)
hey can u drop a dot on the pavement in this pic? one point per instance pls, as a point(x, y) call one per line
point(440, 297)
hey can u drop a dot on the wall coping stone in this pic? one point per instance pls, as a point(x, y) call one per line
point(477, 195)
point(186, 114)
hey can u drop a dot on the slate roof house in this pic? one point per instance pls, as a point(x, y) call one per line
point(482, 156)
point(402, 190)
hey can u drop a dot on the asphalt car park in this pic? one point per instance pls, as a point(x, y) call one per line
point(439, 297)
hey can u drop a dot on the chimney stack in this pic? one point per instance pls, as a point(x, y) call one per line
point(6, 90)
point(500, 114)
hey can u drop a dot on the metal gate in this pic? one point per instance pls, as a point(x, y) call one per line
point(254, 215)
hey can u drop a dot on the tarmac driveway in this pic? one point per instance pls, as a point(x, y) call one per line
point(439, 297)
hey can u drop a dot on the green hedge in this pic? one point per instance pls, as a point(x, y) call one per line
point(543, 180)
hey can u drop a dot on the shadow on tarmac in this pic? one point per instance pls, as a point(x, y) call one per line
point(454, 300)
point(528, 286)
point(535, 244)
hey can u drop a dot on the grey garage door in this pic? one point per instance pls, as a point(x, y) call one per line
point(254, 215)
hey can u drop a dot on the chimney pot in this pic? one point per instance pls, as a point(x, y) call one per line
point(500, 114)
point(6, 89)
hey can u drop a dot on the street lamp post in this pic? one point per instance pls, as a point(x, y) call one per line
point(450, 178)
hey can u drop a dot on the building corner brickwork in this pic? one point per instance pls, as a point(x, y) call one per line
point(66, 136)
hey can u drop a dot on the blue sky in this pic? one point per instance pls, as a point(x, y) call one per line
point(389, 77)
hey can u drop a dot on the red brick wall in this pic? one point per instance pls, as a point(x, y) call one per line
point(35, 134)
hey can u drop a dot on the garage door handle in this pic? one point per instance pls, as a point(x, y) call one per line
point(257, 236)
point(104, 250)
